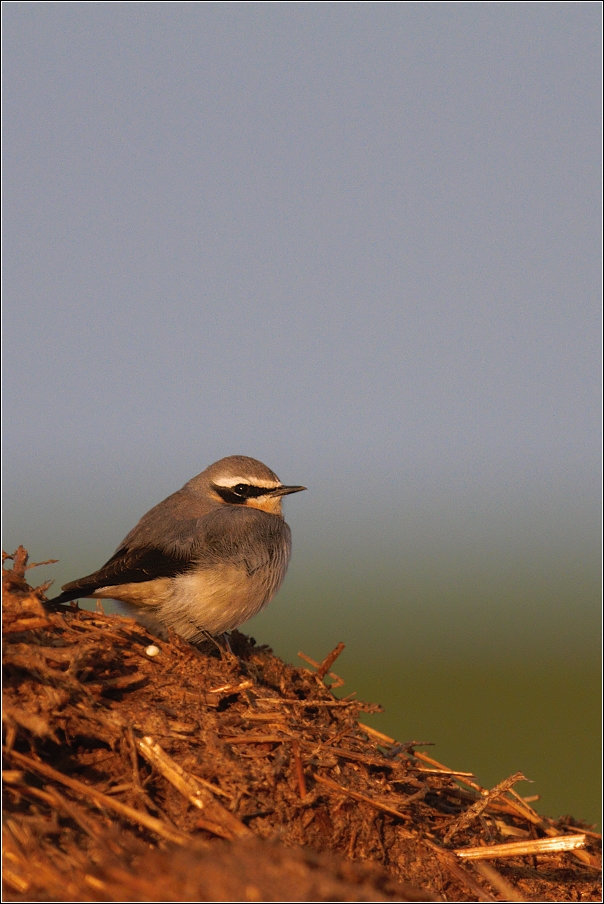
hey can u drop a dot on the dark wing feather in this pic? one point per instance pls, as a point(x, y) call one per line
point(126, 566)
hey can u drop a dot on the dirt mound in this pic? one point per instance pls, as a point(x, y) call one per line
point(138, 769)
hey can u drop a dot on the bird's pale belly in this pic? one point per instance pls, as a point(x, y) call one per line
point(212, 600)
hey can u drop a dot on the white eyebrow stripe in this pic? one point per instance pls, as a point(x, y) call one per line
point(229, 482)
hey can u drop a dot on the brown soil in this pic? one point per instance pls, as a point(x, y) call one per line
point(215, 776)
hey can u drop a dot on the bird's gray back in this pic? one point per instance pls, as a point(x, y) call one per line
point(172, 525)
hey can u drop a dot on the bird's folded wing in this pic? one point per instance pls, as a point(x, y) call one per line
point(128, 566)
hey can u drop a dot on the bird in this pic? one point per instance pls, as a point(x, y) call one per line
point(206, 559)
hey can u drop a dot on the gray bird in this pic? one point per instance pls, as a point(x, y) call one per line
point(205, 559)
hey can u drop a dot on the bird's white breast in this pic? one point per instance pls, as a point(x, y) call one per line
point(213, 599)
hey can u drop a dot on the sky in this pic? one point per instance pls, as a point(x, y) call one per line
point(360, 242)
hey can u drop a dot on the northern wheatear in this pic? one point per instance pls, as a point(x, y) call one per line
point(205, 559)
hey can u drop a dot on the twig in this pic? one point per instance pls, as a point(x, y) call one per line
point(439, 766)
point(19, 560)
point(21, 788)
point(589, 832)
point(231, 688)
point(149, 822)
point(136, 779)
point(376, 734)
point(350, 755)
point(76, 813)
point(12, 776)
point(358, 796)
point(213, 788)
point(216, 818)
point(523, 806)
point(477, 808)
point(263, 717)
point(408, 747)
point(403, 748)
point(329, 660)
point(445, 772)
point(294, 701)
point(37, 564)
point(254, 739)
point(523, 848)
point(332, 740)
point(299, 768)
point(26, 624)
point(453, 866)
point(499, 883)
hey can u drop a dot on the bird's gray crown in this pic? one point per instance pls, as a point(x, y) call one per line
point(236, 469)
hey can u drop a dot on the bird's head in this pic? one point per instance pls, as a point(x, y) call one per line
point(239, 480)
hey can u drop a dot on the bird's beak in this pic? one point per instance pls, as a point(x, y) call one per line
point(285, 491)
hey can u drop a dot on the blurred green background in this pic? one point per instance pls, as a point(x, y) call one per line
point(493, 656)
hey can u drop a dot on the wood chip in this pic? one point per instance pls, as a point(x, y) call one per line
point(523, 848)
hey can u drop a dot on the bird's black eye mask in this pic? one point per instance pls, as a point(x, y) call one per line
point(238, 494)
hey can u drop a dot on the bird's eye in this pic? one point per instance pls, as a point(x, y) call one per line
point(241, 489)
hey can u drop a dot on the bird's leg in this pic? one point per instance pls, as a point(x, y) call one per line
point(214, 641)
